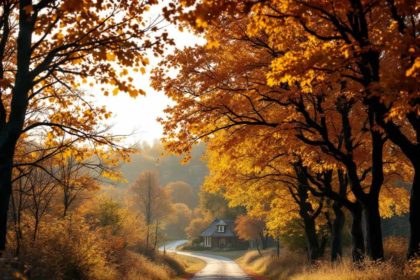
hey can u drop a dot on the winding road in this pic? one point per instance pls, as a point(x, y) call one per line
point(217, 268)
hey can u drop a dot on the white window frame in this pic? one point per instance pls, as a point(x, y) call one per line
point(220, 228)
point(207, 241)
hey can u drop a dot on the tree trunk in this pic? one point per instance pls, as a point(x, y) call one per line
point(6, 162)
point(414, 244)
point(337, 232)
point(323, 244)
point(374, 243)
point(156, 234)
point(358, 243)
point(147, 238)
point(258, 246)
point(311, 238)
point(17, 222)
point(264, 241)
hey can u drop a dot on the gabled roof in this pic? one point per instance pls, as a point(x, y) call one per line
point(212, 229)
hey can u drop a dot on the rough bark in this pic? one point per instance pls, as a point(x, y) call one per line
point(373, 231)
point(307, 213)
point(358, 243)
point(337, 232)
point(11, 129)
point(6, 160)
point(311, 238)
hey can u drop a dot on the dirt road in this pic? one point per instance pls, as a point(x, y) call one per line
point(217, 267)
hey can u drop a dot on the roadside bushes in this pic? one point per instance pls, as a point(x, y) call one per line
point(96, 241)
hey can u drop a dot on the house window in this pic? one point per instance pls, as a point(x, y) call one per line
point(207, 241)
point(220, 228)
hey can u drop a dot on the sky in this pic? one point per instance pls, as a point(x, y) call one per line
point(137, 117)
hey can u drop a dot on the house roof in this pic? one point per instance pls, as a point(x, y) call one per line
point(212, 229)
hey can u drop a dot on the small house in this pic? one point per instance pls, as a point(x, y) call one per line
point(220, 234)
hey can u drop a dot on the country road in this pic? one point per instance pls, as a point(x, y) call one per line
point(217, 268)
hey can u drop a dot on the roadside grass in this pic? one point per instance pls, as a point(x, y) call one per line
point(191, 265)
point(293, 265)
point(269, 265)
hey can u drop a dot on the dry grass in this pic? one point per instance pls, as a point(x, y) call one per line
point(191, 265)
point(138, 267)
point(294, 266)
point(289, 263)
point(370, 271)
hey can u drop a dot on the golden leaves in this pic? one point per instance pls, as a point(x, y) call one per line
point(110, 56)
point(414, 69)
point(201, 23)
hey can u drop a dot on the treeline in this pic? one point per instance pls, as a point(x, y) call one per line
point(177, 184)
point(169, 166)
point(309, 110)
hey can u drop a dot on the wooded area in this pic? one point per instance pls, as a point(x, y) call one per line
point(307, 113)
point(311, 102)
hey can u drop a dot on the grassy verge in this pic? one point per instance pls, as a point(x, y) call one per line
point(268, 266)
point(294, 266)
point(191, 265)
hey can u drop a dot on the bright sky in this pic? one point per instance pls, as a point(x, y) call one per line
point(137, 117)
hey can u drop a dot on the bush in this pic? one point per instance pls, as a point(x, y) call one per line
point(68, 250)
point(96, 242)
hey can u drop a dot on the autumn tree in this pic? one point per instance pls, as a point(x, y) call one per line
point(200, 220)
point(217, 204)
point(153, 202)
point(47, 49)
point(251, 229)
point(370, 45)
point(228, 90)
point(178, 221)
point(182, 192)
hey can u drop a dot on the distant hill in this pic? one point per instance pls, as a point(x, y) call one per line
point(170, 167)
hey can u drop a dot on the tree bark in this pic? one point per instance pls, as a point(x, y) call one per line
point(6, 162)
point(147, 238)
point(311, 238)
point(414, 244)
point(373, 230)
point(264, 240)
point(156, 234)
point(10, 130)
point(307, 213)
point(337, 232)
point(258, 246)
point(358, 242)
